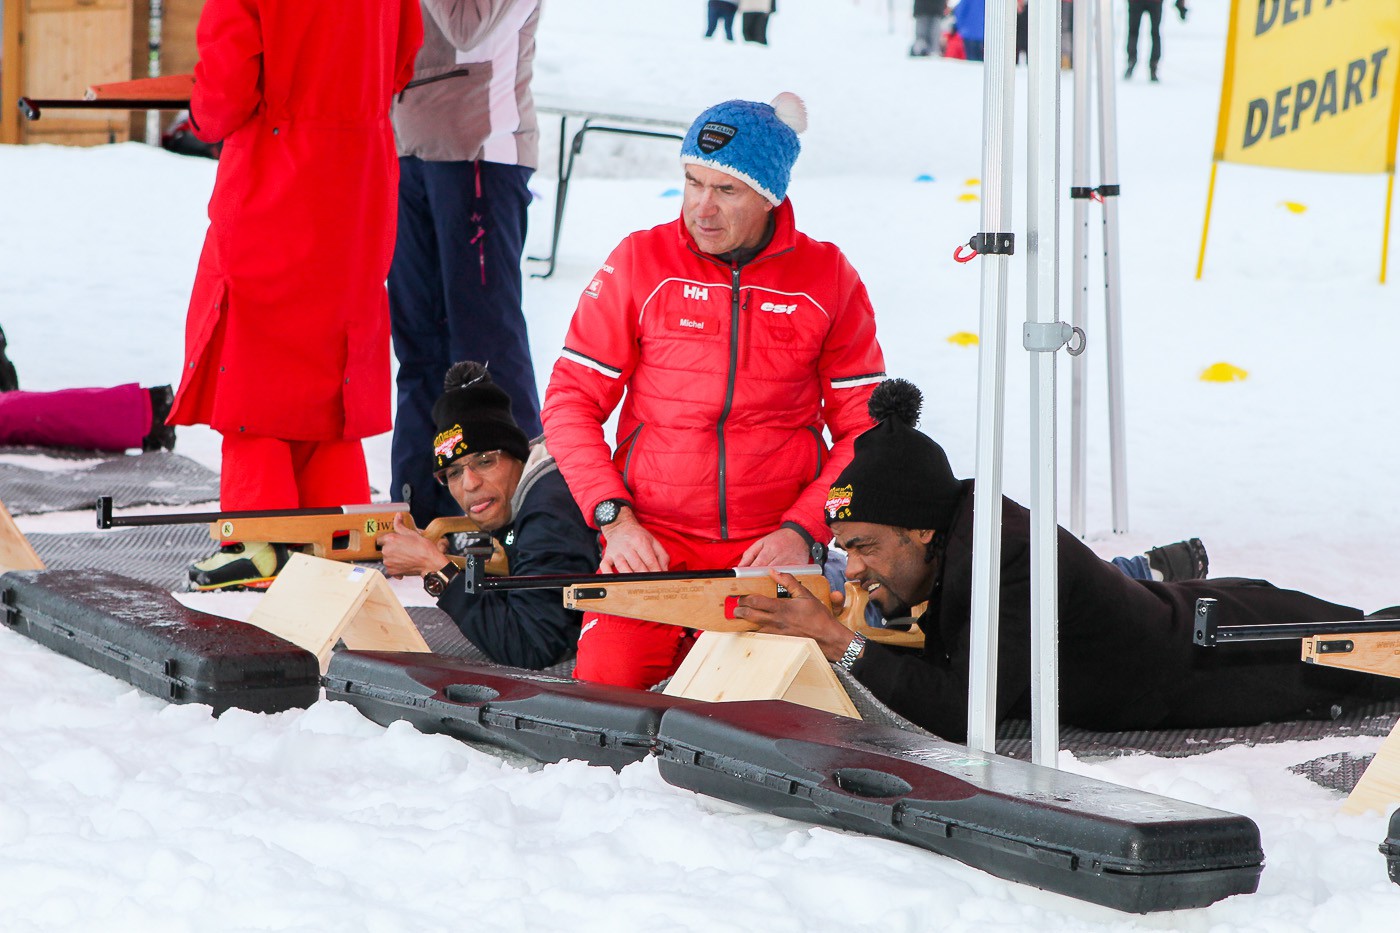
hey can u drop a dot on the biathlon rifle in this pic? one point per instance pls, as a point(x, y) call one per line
point(1370, 645)
point(169, 92)
point(699, 599)
point(344, 532)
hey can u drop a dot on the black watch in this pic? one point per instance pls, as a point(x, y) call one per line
point(607, 511)
point(436, 582)
point(815, 549)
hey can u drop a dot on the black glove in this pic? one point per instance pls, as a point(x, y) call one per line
point(1181, 8)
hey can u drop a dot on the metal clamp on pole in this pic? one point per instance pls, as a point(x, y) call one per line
point(986, 244)
point(1084, 193)
point(1047, 338)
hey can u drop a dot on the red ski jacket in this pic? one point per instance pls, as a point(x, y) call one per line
point(287, 334)
point(731, 374)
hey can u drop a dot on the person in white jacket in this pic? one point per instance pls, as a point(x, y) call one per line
point(468, 143)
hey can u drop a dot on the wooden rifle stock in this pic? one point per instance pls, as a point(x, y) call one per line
point(702, 599)
point(347, 532)
point(1371, 646)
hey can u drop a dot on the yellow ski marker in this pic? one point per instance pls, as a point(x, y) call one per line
point(963, 339)
point(1223, 372)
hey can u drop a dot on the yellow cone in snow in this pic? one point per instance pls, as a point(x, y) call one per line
point(967, 196)
point(972, 183)
point(963, 339)
point(1223, 372)
point(1293, 206)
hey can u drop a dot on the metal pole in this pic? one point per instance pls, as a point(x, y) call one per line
point(153, 66)
point(1079, 291)
point(1043, 296)
point(998, 107)
point(1113, 330)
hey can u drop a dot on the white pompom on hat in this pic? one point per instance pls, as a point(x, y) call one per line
point(751, 141)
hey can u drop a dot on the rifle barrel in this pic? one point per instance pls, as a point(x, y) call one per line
point(1209, 632)
point(562, 581)
point(105, 518)
point(33, 109)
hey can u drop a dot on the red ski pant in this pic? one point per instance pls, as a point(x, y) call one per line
point(632, 653)
point(115, 418)
point(270, 473)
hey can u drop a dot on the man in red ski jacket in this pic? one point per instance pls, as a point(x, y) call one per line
point(739, 343)
point(287, 335)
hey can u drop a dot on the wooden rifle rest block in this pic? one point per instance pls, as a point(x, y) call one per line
point(16, 553)
point(1370, 653)
point(315, 603)
point(728, 666)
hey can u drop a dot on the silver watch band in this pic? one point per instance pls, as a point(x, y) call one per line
point(853, 651)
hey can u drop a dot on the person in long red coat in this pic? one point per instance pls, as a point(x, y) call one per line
point(287, 336)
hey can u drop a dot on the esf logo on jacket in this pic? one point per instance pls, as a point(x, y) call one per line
point(777, 308)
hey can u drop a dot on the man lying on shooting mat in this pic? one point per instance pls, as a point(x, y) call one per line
point(511, 488)
point(1126, 656)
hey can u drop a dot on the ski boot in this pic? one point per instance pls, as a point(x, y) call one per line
point(251, 565)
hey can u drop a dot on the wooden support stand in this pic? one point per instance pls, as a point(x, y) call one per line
point(727, 666)
point(1371, 653)
point(16, 553)
point(315, 603)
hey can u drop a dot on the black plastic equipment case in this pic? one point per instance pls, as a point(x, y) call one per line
point(1391, 848)
point(537, 715)
point(141, 634)
point(1091, 840)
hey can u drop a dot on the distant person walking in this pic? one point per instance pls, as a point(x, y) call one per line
point(928, 17)
point(755, 22)
point(720, 11)
point(1152, 9)
point(971, 17)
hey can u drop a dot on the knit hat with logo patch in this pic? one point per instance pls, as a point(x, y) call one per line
point(899, 475)
point(755, 143)
point(473, 415)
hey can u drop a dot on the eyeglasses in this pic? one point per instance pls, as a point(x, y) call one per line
point(480, 464)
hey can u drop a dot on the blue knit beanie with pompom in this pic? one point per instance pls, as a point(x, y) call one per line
point(755, 143)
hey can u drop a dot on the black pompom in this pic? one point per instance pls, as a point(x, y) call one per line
point(899, 399)
point(466, 373)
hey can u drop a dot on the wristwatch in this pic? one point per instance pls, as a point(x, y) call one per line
point(853, 651)
point(436, 582)
point(606, 512)
point(815, 549)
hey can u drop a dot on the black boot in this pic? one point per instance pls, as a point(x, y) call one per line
point(1185, 560)
point(9, 379)
point(1153, 75)
point(162, 435)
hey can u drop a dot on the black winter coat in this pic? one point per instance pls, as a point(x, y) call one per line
point(930, 7)
point(1126, 657)
point(530, 628)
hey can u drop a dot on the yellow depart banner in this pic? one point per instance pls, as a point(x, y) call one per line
point(1311, 84)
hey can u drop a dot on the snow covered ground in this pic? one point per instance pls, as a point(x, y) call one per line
point(122, 813)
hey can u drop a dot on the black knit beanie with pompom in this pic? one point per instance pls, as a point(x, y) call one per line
point(899, 476)
point(473, 415)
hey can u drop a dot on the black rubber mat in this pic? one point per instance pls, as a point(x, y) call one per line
point(1340, 771)
point(1014, 737)
point(444, 637)
point(159, 478)
point(156, 554)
